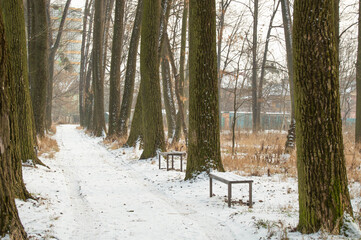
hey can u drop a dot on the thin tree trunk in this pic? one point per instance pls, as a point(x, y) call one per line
point(224, 6)
point(287, 26)
point(358, 85)
point(149, 69)
point(204, 137)
point(255, 127)
point(168, 96)
point(127, 101)
point(9, 219)
point(177, 90)
point(38, 61)
point(263, 68)
point(114, 96)
point(82, 72)
point(322, 179)
point(108, 9)
point(136, 129)
point(98, 77)
point(88, 96)
point(53, 50)
point(179, 85)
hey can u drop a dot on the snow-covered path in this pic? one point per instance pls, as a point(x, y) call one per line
point(93, 192)
point(111, 200)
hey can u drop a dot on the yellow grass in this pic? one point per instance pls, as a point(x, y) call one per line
point(47, 147)
point(262, 154)
point(257, 155)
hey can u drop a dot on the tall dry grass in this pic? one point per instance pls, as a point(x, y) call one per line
point(47, 147)
point(258, 154)
point(263, 154)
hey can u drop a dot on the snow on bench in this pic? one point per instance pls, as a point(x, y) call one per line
point(229, 179)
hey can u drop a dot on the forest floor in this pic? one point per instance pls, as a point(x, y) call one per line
point(93, 192)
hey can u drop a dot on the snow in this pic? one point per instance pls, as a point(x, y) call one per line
point(92, 192)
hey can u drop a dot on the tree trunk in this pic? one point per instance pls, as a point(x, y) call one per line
point(136, 129)
point(98, 77)
point(114, 95)
point(82, 72)
point(204, 137)
point(322, 179)
point(9, 219)
point(177, 90)
point(149, 70)
point(88, 96)
point(20, 104)
point(255, 127)
point(358, 85)
point(263, 69)
point(38, 61)
point(108, 9)
point(127, 101)
point(179, 85)
point(287, 26)
point(53, 49)
point(168, 95)
point(18, 71)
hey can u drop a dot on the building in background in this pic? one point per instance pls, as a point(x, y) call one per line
point(67, 63)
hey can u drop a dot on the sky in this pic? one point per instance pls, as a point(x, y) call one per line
point(78, 3)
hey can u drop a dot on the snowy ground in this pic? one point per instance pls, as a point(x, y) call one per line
point(91, 192)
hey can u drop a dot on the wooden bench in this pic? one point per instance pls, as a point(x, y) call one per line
point(229, 179)
point(172, 154)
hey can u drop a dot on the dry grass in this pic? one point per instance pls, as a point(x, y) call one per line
point(177, 146)
point(115, 142)
point(262, 154)
point(52, 130)
point(257, 155)
point(353, 158)
point(47, 147)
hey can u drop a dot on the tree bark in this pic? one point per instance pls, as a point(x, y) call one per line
point(114, 96)
point(204, 136)
point(18, 71)
point(149, 70)
point(322, 179)
point(9, 219)
point(98, 77)
point(127, 101)
point(38, 61)
point(20, 104)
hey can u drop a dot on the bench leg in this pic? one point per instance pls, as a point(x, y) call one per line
point(181, 166)
point(210, 187)
point(250, 195)
point(172, 162)
point(167, 163)
point(229, 194)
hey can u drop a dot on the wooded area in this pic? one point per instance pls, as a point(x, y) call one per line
point(181, 75)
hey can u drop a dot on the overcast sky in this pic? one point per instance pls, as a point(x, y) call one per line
point(78, 3)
